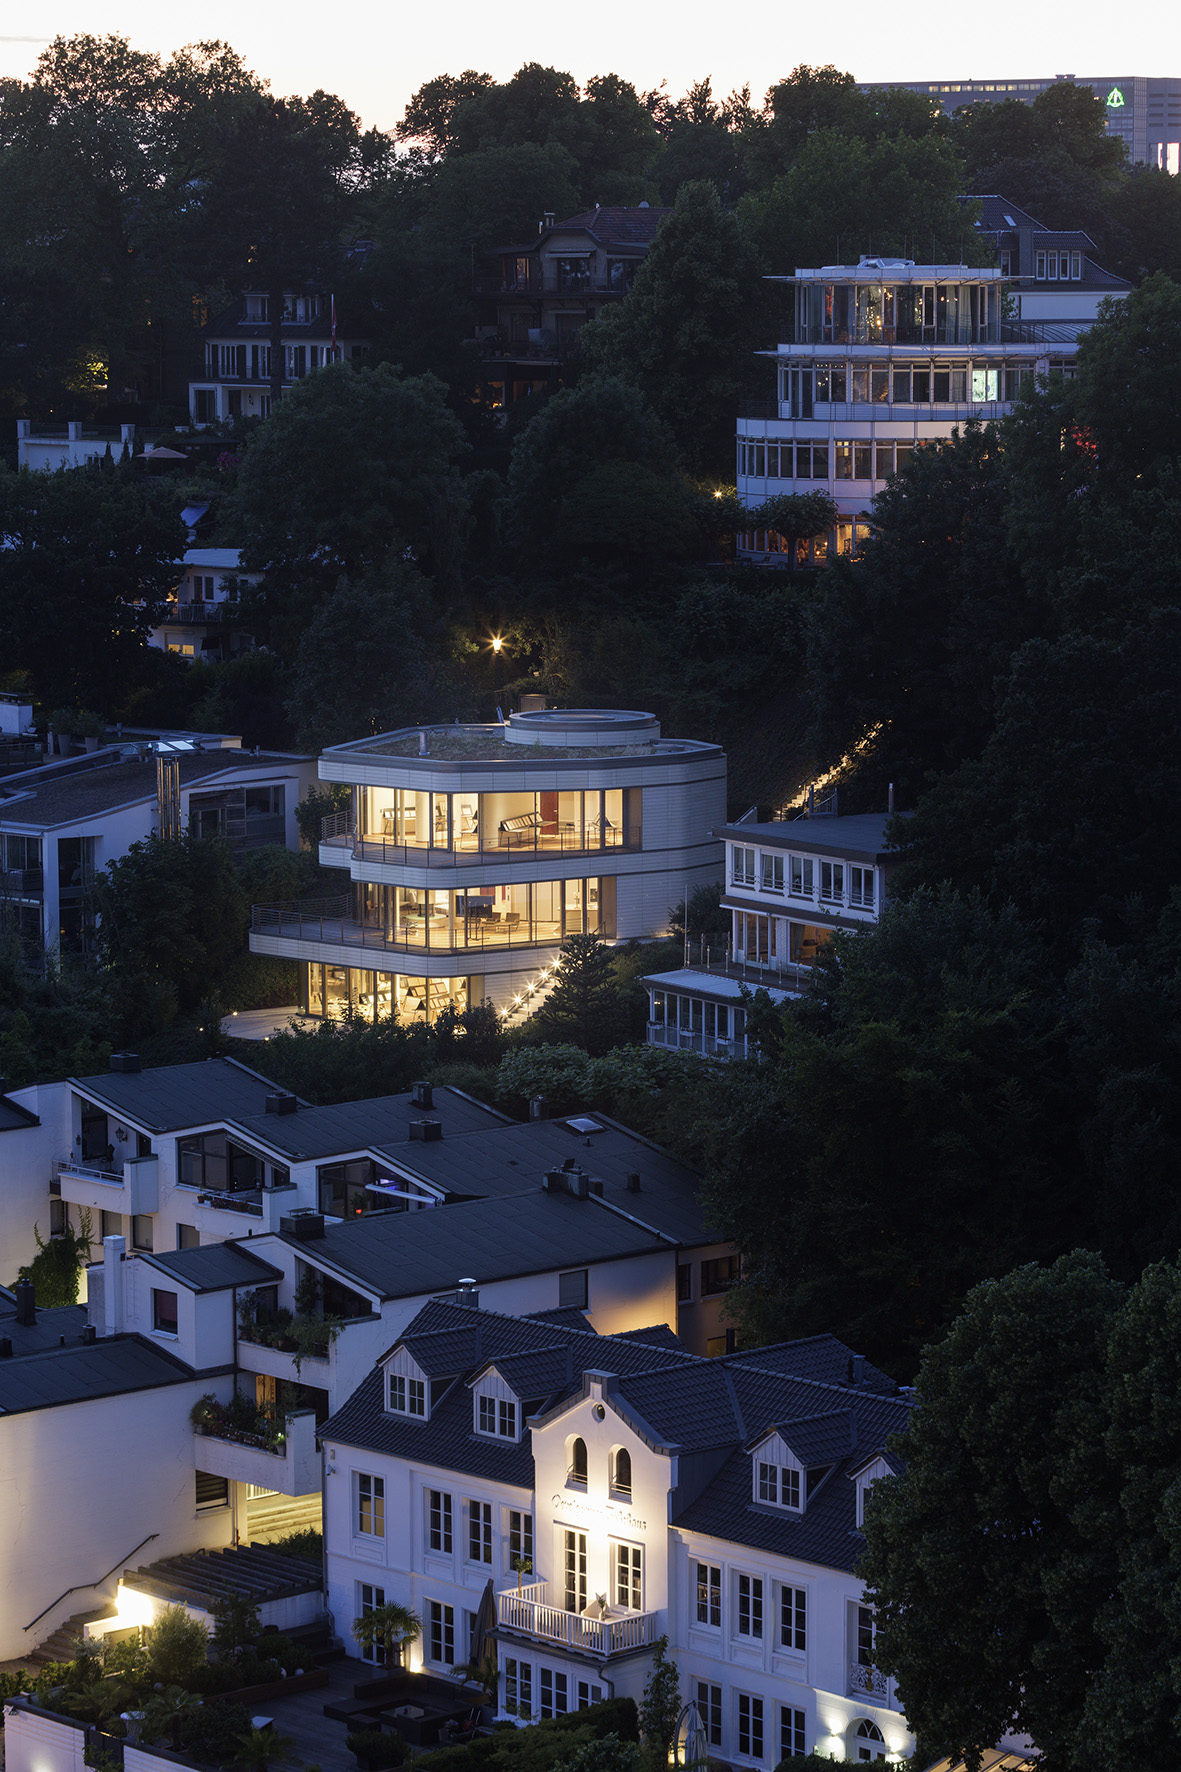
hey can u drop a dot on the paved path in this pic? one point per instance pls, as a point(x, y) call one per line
point(260, 1024)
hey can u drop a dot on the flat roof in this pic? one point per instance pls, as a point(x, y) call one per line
point(85, 1371)
point(861, 834)
point(404, 1254)
point(168, 1097)
point(486, 744)
point(106, 785)
point(214, 1267)
point(378, 1124)
point(713, 984)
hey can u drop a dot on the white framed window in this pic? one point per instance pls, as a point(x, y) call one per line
point(588, 1693)
point(1039, 266)
point(803, 874)
point(772, 873)
point(555, 1692)
point(518, 1687)
point(441, 1632)
point(709, 1595)
point(520, 1536)
point(778, 1485)
point(861, 887)
point(407, 1396)
point(629, 1577)
point(742, 866)
point(369, 1514)
point(496, 1416)
point(832, 880)
point(749, 1610)
point(479, 1532)
point(750, 1726)
point(1076, 265)
point(867, 1741)
point(793, 1617)
point(793, 1732)
point(438, 1521)
point(369, 1599)
point(709, 1709)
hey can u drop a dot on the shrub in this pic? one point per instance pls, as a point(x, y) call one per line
point(214, 1732)
point(281, 1650)
point(375, 1746)
point(177, 1645)
point(308, 1544)
point(216, 1677)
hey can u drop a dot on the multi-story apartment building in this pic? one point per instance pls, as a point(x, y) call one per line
point(472, 852)
point(1144, 113)
point(62, 822)
point(884, 356)
point(540, 294)
point(614, 1489)
point(789, 886)
point(200, 619)
point(236, 382)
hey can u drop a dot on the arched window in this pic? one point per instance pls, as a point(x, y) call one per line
point(621, 1473)
point(868, 1741)
point(577, 1469)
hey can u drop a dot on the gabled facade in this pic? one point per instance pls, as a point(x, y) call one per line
point(537, 296)
point(614, 1489)
point(1054, 277)
point(236, 380)
point(471, 852)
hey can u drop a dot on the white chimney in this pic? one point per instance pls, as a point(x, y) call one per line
point(114, 1249)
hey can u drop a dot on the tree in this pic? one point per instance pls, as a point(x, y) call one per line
point(659, 1707)
point(496, 195)
point(177, 1645)
point(258, 1750)
point(57, 1267)
point(236, 1624)
point(685, 332)
point(171, 918)
point(388, 1628)
point(583, 1008)
point(985, 1507)
point(362, 664)
point(356, 467)
point(795, 517)
point(166, 1713)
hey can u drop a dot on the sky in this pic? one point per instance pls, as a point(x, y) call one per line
point(375, 55)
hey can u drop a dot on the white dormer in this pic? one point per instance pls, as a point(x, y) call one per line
point(496, 1408)
point(407, 1389)
point(865, 1479)
point(778, 1478)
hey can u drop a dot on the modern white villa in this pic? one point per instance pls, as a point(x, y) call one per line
point(471, 852)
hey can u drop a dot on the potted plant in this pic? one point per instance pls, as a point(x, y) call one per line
point(387, 1628)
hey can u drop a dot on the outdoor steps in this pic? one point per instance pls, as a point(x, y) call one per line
point(60, 1645)
point(252, 1572)
point(531, 1000)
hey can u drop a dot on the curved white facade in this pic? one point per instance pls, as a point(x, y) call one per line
point(471, 852)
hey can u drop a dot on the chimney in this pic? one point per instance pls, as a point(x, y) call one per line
point(114, 1250)
point(890, 800)
point(26, 1303)
point(538, 1107)
point(281, 1104)
point(856, 1371)
point(5, 1347)
point(124, 1061)
point(90, 1333)
point(633, 1182)
point(466, 1292)
point(422, 1095)
point(578, 1182)
point(429, 1131)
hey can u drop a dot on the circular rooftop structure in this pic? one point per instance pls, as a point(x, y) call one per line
point(596, 728)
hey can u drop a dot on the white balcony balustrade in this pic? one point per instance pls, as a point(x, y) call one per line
point(617, 1631)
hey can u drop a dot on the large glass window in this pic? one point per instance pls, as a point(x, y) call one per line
point(213, 1161)
point(558, 820)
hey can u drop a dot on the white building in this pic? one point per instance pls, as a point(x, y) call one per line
point(471, 852)
point(614, 1489)
point(789, 887)
point(198, 620)
point(883, 357)
point(71, 445)
point(236, 378)
point(63, 822)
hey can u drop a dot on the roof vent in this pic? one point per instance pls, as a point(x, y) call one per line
point(281, 1104)
point(430, 1131)
point(466, 1292)
point(124, 1061)
point(5, 1347)
point(538, 1107)
point(26, 1303)
point(303, 1224)
point(90, 1333)
point(422, 1095)
point(633, 1182)
point(856, 1370)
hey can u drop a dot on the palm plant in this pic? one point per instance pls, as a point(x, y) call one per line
point(261, 1748)
point(165, 1713)
point(387, 1627)
point(97, 1702)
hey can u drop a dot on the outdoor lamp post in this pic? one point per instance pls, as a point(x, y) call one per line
point(497, 643)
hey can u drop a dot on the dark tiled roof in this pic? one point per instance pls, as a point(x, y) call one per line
point(513, 1159)
point(82, 1372)
point(169, 1097)
point(14, 1117)
point(215, 1267)
point(376, 1124)
point(614, 225)
point(821, 1440)
point(995, 213)
point(398, 1254)
point(820, 1357)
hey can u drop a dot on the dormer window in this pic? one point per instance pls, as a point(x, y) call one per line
point(779, 1485)
point(496, 1415)
point(406, 1387)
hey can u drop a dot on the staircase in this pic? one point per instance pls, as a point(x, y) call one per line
point(532, 997)
point(60, 1646)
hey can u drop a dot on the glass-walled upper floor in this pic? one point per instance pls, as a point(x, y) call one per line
point(549, 821)
point(910, 385)
point(904, 313)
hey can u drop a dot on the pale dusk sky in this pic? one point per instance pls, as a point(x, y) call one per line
point(374, 56)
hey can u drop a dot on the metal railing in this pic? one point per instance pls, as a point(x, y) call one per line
point(689, 1040)
point(22, 880)
point(86, 1171)
point(471, 850)
point(329, 920)
point(243, 1202)
point(199, 612)
point(530, 1613)
point(81, 1586)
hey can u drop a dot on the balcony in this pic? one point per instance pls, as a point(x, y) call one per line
point(871, 1684)
point(21, 882)
point(198, 614)
point(132, 1188)
point(232, 1214)
point(293, 1468)
point(327, 922)
point(338, 833)
point(688, 1040)
point(530, 1614)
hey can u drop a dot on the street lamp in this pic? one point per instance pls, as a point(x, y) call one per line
point(497, 645)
